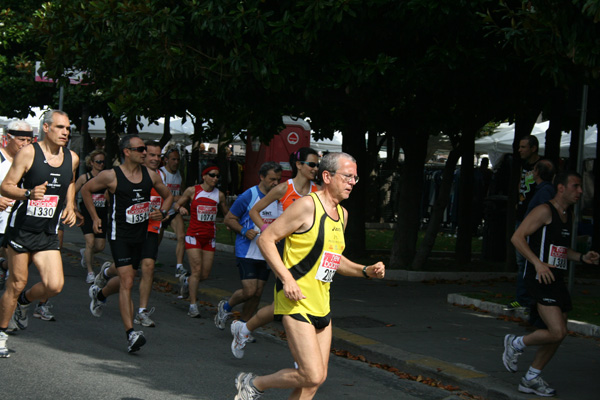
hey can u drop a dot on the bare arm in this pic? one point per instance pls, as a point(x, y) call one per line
point(184, 199)
point(223, 203)
point(162, 190)
point(296, 217)
point(70, 212)
point(538, 217)
point(21, 164)
point(106, 179)
point(274, 194)
point(233, 222)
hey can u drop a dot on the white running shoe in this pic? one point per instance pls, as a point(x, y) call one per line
point(135, 341)
point(143, 318)
point(82, 252)
point(222, 315)
point(90, 278)
point(3, 350)
point(181, 271)
point(193, 311)
point(239, 340)
point(42, 311)
point(101, 280)
point(95, 305)
point(184, 287)
point(511, 353)
point(20, 316)
point(537, 385)
point(246, 390)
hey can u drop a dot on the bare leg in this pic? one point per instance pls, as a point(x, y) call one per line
point(146, 281)
point(17, 280)
point(261, 318)
point(179, 229)
point(548, 339)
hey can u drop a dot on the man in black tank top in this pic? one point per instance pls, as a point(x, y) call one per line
point(129, 185)
point(41, 180)
point(548, 228)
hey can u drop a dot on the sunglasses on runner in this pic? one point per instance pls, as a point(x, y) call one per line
point(214, 175)
point(99, 161)
point(310, 164)
point(139, 149)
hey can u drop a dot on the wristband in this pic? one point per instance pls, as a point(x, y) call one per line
point(365, 272)
point(243, 232)
point(265, 226)
point(581, 258)
point(164, 213)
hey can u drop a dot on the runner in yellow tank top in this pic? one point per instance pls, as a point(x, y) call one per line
point(309, 333)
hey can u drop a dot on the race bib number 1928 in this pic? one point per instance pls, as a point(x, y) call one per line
point(44, 208)
point(328, 266)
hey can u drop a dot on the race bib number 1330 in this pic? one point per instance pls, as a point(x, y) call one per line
point(44, 208)
point(558, 256)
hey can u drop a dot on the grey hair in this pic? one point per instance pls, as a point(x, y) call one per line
point(124, 143)
point(268, 166)
point(19, 125)
point(49, 116)
point(331, 162)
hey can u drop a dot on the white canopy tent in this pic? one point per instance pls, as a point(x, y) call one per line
point(501, 141)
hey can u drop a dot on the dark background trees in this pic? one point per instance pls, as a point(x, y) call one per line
point(402, 72)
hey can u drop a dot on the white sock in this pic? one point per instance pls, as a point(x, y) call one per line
point(141, 310)
point(532, 373)
point(518, 343)
point(244, 331)
point(179, 266)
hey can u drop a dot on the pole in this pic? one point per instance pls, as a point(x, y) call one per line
point(61, 96)
point(577, 210)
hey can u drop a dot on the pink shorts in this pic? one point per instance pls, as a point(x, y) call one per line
point(199, 242)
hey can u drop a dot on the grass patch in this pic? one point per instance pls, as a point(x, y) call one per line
point(585, 305)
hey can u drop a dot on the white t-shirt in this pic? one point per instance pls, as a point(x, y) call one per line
point(4, 167)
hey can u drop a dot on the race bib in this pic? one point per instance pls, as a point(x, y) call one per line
point(155, 202)
point(558, 256)
point(44, 208)
point(174, 188)
point(99, 200)
point(328, 266)
point(137, 213)
point(206, 213)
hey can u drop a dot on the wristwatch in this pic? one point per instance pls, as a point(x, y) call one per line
point(27, 193)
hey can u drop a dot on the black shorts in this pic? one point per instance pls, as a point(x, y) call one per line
point(253, 269)
point(553, 294)
point(88, 227)
point(23, 241)
point(126, 253)
point(317, 322)
point(167, 222)
point(150, 247)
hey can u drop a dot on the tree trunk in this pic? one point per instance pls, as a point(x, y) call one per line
point(409, 200)
point(166, 136)
point(87, 145)
point(524, 124)
point(353, 143)
point(111, 144)
point(465, 199)
point(596, 201)
point(437, 214)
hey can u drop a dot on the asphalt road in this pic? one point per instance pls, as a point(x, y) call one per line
point(83, 357)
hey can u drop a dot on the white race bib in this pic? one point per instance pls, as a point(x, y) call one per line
point(137, 213)
point(558, 256)
point(206, 213)
point(328, 266)
point(44, 208)
point(99, 200)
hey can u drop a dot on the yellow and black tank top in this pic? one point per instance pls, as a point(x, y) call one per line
point(312, 257)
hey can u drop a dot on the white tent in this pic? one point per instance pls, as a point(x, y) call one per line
point(501, 141)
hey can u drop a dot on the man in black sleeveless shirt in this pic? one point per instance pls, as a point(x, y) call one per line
point(41, 180)
point(544, 238)
point(129, 185)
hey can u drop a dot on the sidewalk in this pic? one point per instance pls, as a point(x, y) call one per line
point(410, 325)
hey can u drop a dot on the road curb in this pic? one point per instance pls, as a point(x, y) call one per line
point(580, 327)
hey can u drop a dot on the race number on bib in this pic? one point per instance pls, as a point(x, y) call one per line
point(155, 202)
point(44, 208)
point(206, 213)
point(558, 256)
point(137, 213)
point(99, 200)
point(328, 266)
